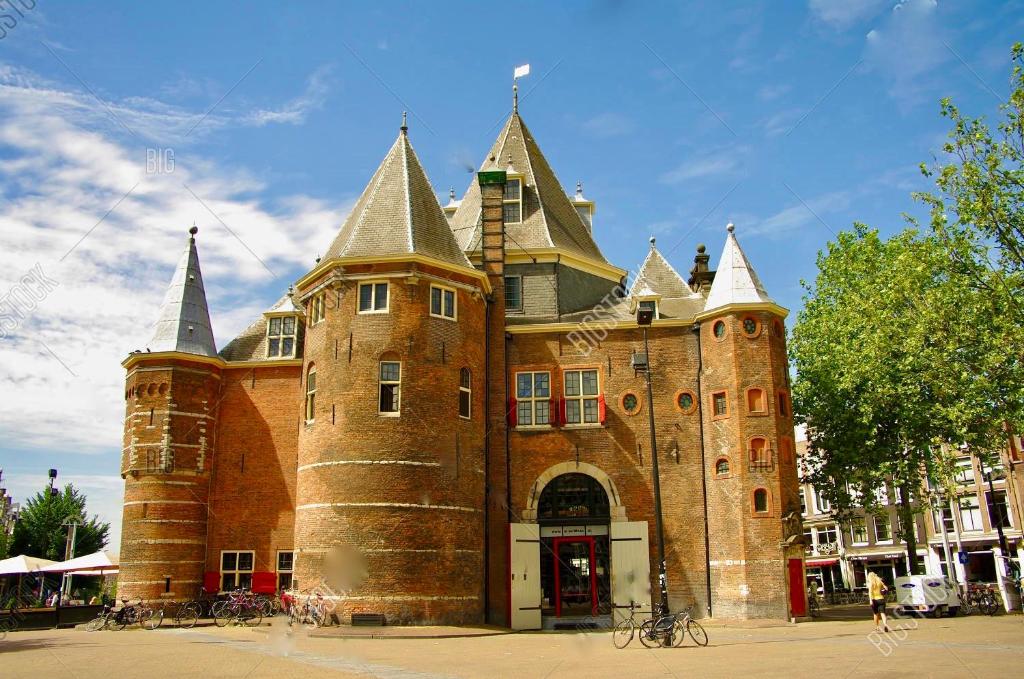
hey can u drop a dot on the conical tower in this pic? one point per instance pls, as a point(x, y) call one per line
point(171, 393)
point(390, 453)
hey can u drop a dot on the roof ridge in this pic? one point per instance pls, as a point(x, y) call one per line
point(382, 170)
point(408, 190)
point(536, 184)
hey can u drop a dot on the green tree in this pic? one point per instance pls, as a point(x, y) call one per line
point(40, 530)
point(5, 541)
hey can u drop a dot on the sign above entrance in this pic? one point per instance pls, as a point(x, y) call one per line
point(572, 531)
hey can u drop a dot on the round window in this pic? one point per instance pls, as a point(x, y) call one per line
point(719, 329)
point(685, 401)
point(630, 403)
point(751, 328)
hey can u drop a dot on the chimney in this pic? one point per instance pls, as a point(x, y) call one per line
point(700, 276)
point(492, 192)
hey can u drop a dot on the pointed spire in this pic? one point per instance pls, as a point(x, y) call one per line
point(398, 213)
point(405, 123)
point(657, 277)
point(184, 321)
point(735, 282)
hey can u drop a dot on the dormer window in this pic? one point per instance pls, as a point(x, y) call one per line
point(649, 304)
point(281, 331)
point(513, 200)
point(317, 307)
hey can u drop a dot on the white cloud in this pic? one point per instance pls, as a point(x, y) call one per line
point(707, 164)
point(907, 46)
point(841, 14)
point(608, 125)
point(295, 111)
point(773, 92)
point(810, 212)
point(64, 169)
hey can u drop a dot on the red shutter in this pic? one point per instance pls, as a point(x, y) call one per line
point(264, 582)
point(553, 412)
point(513, 412)
point(211, 582)
point(601, 409)
point(561, 412)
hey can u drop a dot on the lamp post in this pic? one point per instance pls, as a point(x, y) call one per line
point(644, 317)
point(999, 522)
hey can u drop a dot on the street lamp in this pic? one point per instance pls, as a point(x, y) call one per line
point(644, 317)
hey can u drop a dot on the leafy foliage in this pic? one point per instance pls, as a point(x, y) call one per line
point(40, 531)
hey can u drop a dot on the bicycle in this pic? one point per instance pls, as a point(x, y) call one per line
point(664, 629)
point(240, 608)
point(691, 627)
point(188, 613)
point(309, 612)
point(623, 632)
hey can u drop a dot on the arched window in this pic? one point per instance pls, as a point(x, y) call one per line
point(722, 467)
point(573, 498)
point(465, 393)
point(761, 501)
point(760, 454)
point(756, 401)
point(310, 393)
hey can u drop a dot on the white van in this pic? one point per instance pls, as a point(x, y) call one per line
point(927, 594)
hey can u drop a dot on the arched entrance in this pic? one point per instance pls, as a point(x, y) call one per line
point(574, 513)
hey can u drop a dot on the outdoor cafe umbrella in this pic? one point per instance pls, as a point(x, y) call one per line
point(21, 565)
point(97, 563)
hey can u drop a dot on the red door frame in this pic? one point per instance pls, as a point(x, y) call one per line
point(558, 574)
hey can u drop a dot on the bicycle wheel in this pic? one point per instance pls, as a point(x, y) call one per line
point(188, 615)
point(989, 605)
point(223, 615)
point(251, 616)
point(265, 606)
point(623, 633)
point(97, 623)
point(648, 635)
point(120, 620)
point(152, 618)
point(678, 634)
point(697, 632)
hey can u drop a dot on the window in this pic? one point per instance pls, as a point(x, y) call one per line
point(965, 471)
point(882, 494)
point(281, 337)
point(808, 541)
point(513, 201)
point(751, 326)
point(783, 404)
point(761, 501)
point(719, 404)
point(970, 513)
point(998, 510)
point(285, 566)
point(316, 308)
point(311, 393)
point(718, 329)
point(722, 467)
point(513, 293)
point(235, 570)
point(465, 393)
point(650, 305)
point(901, 534)
point(756, 402)
point(827, 538)
point(859, 531)
point(883, 531)
point(533, 399)
point(945, 516)
point(373, 298)
point(581, 392)
point(821, 503)
point(630, 403)
point(760, 454)
point(685, 401)
point(390, 387)
point(442, 302)
point(803, 502)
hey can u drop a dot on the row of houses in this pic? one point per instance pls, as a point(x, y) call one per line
point(838, 556)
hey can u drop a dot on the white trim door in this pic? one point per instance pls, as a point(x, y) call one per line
point(524, 584)
point(631, 569)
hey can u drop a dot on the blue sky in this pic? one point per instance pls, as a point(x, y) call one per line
point(791, 119)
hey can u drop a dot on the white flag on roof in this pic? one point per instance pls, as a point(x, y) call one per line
point(521, 71)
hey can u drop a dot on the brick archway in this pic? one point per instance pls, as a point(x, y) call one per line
point(617, 509)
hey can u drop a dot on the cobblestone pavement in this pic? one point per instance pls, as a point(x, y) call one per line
point(975, 646)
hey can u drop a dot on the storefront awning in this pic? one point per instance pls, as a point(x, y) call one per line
point(813, 563)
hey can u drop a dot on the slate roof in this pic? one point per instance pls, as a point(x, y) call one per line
point(398, 213)
point(549, 217)
point(251, 343)
point(184, 321)
point(736, 282)
point(657, 275)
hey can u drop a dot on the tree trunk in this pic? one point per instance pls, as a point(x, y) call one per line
point(907, 523)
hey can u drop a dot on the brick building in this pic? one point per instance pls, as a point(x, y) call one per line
point(442, 422)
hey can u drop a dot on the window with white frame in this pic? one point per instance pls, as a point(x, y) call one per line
point(827, 539)
point(944, 515)
point(236, 570)
point(882, 494)
point(285, 567)
point(311, 393)
point(970, 513)
point(373, 298)
point(859, 531)
point(281, 332)
point(317, 307)
point(513, 293)
point(465, 393)
point(821, 504)
point(533, 399)
point(965, 471)
point(442, 302)
point(512, 202)
point(883, 530)
point(390, 399)
point(581, 391)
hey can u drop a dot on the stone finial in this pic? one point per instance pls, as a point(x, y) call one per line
point(405, 122)
point(652, 240)
point(730, 227)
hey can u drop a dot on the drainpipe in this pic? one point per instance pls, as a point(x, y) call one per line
point(487, 458)
point(703, 469)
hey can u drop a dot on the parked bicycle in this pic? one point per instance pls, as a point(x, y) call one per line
point(129, 614)
point(313, 611)
point(980, 599)
point(665, 629)
point(239, 607)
